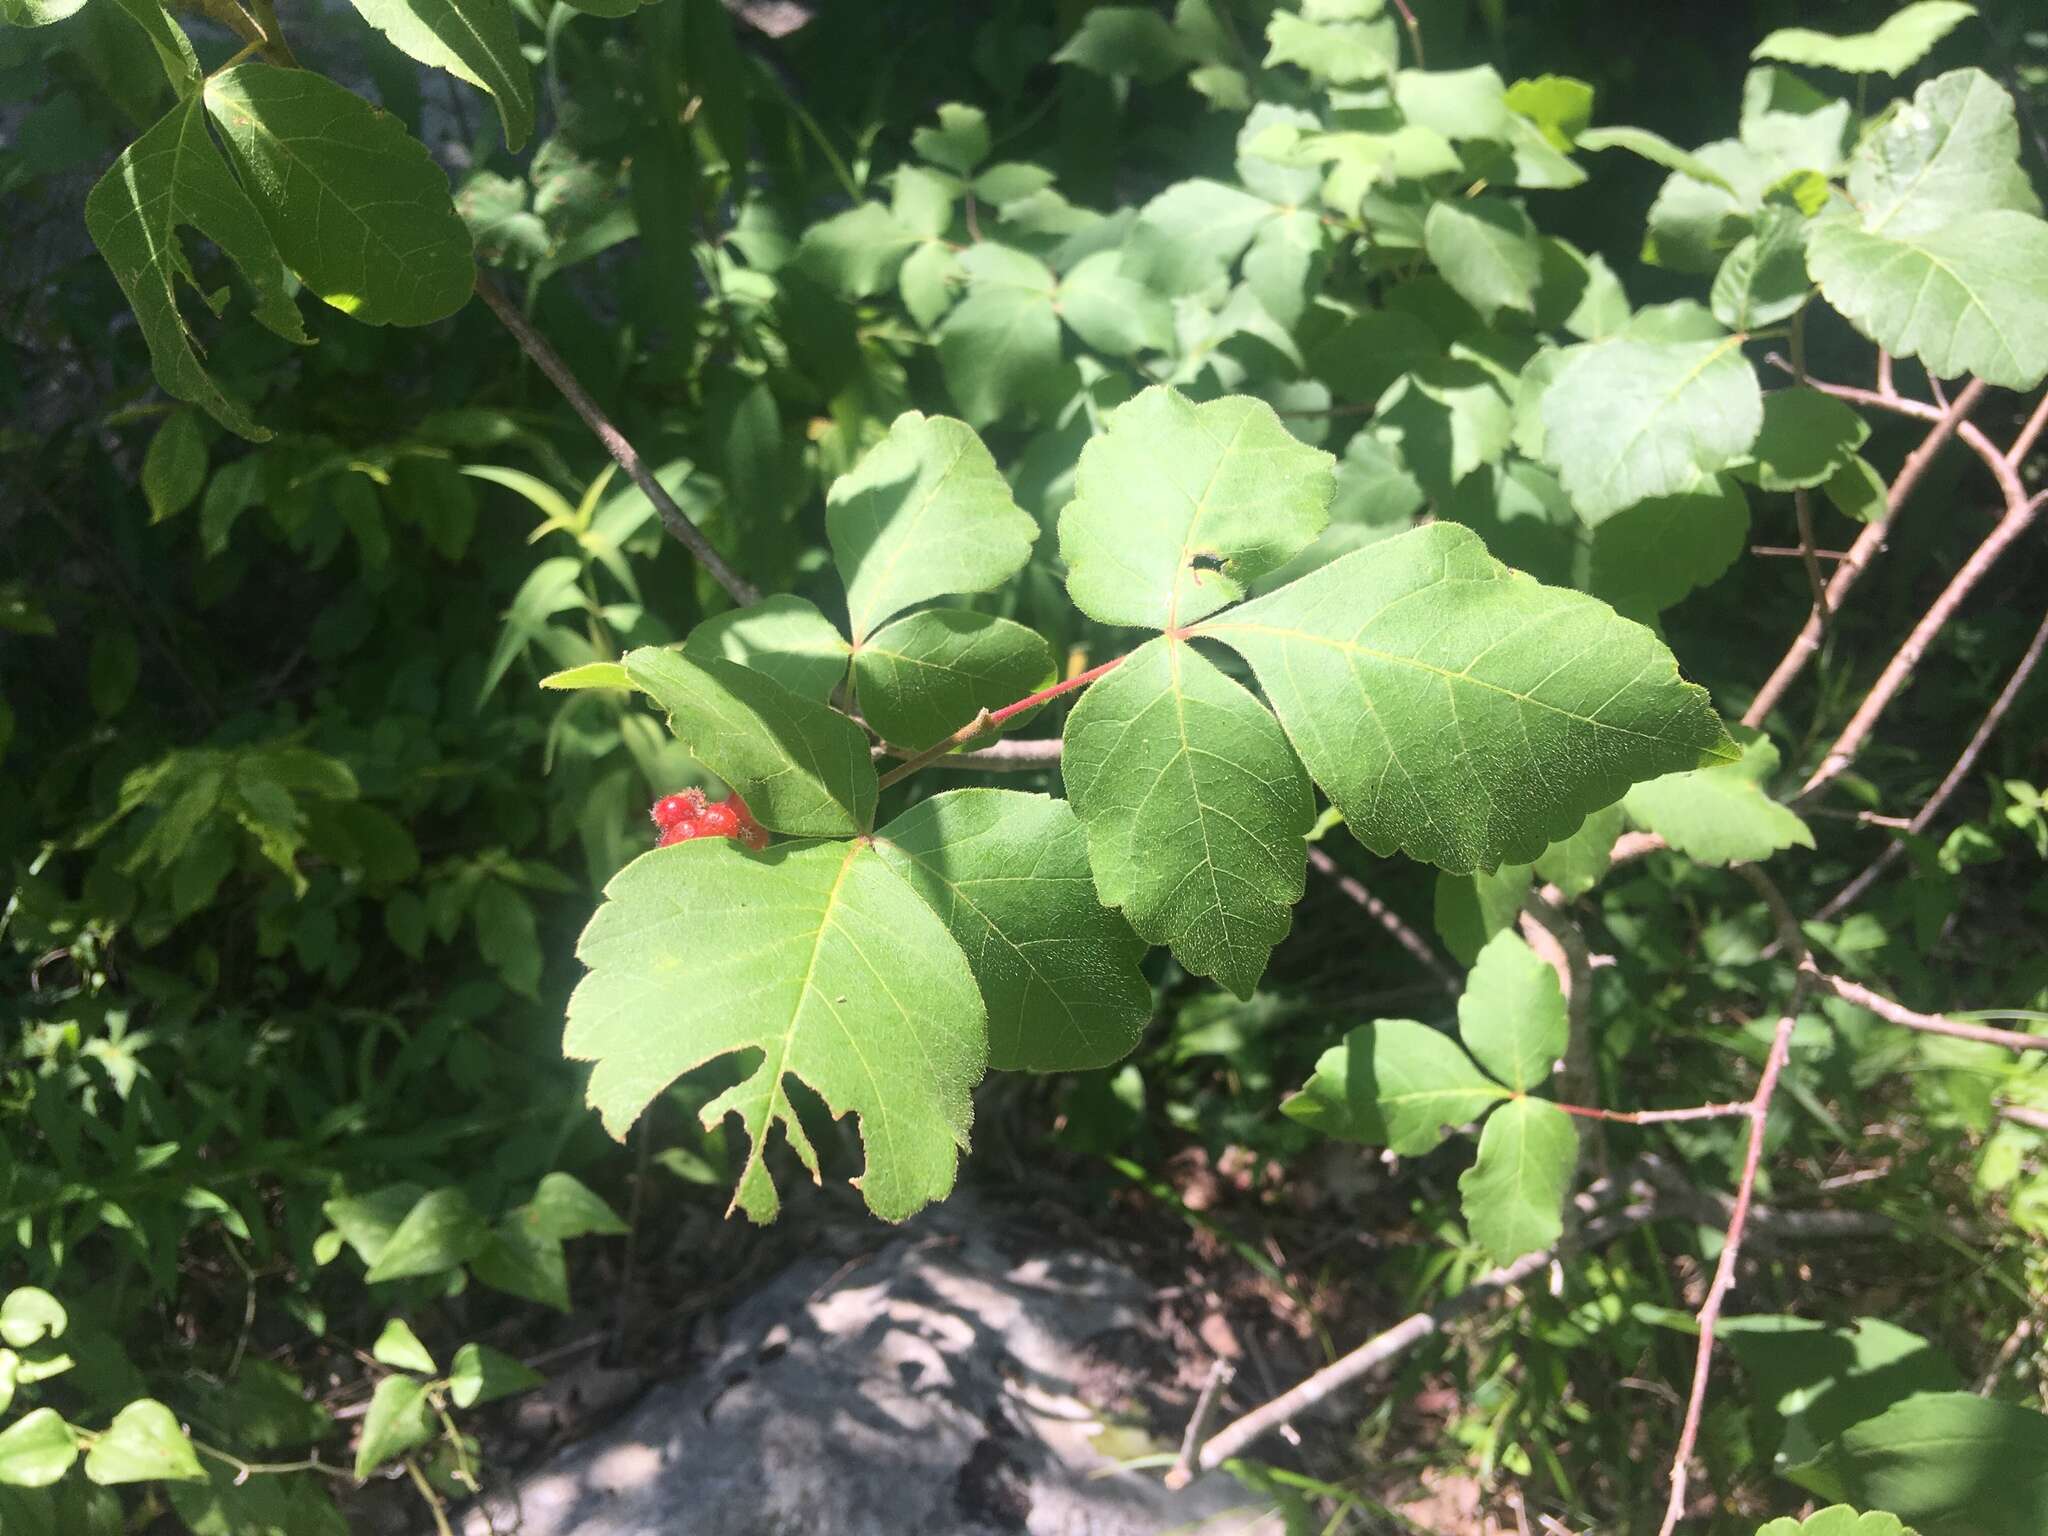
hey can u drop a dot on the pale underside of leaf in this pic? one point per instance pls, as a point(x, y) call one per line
point(475, 40)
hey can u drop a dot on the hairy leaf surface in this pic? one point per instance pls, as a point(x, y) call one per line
point(822, 964)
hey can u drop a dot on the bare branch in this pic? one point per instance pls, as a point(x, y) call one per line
point(1546, 926)
point(2017, 520)
point(1416, 945)
point(1924, 817)
point(998, 757)
point(678, 526)
point(1929, 1023)
point(2029, 434)
point(1183, 1472)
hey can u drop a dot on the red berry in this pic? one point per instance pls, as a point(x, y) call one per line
point(688, 805)
point(751, 832)
point(679, 832)
point(718, 821)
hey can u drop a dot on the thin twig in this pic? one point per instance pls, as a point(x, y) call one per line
point(1404, 935)
point(2029, 434)
point(1311, 1393)
point(1929, 1023)
point(1656, 1116)
point(998, 757)
point(2001, 463)
point(1948, 786)
point(2020, 1114)
point(1802, 503)
point(678, 526)
point(1414, 30)
point(1545, 925)
point(1864, 549)
point(1183, 1471)
point(1899, 670)
point(1724, 1271)
point(989, 719)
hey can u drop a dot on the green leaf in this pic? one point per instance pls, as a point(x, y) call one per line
point(1950, 1463)
point(173, 51)
point(1188, 236)
point(366, 1222)
point(818, 957)
point(1512, 1016)
point(1558, 104)
point(564, 1207)
point(1651, 556)
point(1458, 712)
point(1486, 249)
point(400, 1347)
point(803, 769)
point(440, 1232)
point(1904, 39)
point(1470, 909)
point(1394, 1083)
point(1449, 420)
point(521, 1261)
point(1857, 490)
point(482, 1374)
point(507, 936)
point(174, 466)
point(357, 206)
point(36, 1449)
point(924, 676)
point(1125, 42)
point(400, 1419)
point(474, 40)
point(1178, 506)
point(1625, 420)
point(145, 1443)
point(1968, 299)
point(1111, 311)
point(1000, 345)
point(173, 177)
point(1341, 52)
point(782, 636)
point(1954, 152)
point(1007, 874)
point(1806, 438)
point(1837, 1520)
point(37, 13)
point(29, 1315)
point(1721, 815)
point(925, 513)
point(1578, 863)
point(1457, 103)
point(1821, 1381)
point(1513, 1196)
point(959, 142)
point(592, 674)
point(1658, 150)
point(1196, 810)
point(111, 671)
point(1763, 280)
point(857, 252)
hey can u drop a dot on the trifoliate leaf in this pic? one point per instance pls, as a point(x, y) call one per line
point(145, 1443)
point(1512, 1016)
point(1394, 1083)
point(1721, 815)
point(173, 177)
point(1807, 436)
point(482, 1374)
point(803, 769)
point(1196, 810)
point(1458, 712)
point(1625, 420)
point(1179, 505)
point(783, 637)
point(357, 206)
point(474, 40)
point(1513, 1196)
point(1007, 874)
point(1578, 863)
point(820, 958)
point(400, 1419)
point(1904, 39)
point(1448, 419)
point(924, 676)
point(925, 513)
point(1486, 249)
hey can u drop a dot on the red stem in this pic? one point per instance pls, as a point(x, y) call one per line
point(1656, 1116)
point(989, 719)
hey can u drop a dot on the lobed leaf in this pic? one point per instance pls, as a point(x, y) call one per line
point(1461, 713)
point(925, 513)
point(1007, 873)
point(921, 678)
point(1901, 41)
point(1196, 810)
point(803, 769)
point(783, 637)
point(474, 40)
point(820, 961)
point(1178, 506)
point(1513, 1195)
point(1721, 815)
point(1512, 1015)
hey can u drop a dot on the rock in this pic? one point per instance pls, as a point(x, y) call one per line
point(952, 1383)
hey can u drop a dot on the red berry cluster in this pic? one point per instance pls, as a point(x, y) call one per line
point(688, 814)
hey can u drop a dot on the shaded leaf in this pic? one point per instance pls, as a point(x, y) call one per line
point(1578, 863)
point(1807, 436)
point(400, 1419)
point(921, 678)
point(474, 40)
point(1394, 1083)
point(441, 1231)
point(1512, 1015)
point(783, 637)
point(482, 1374)
point(1513, 1196)
point(1950, 1463)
